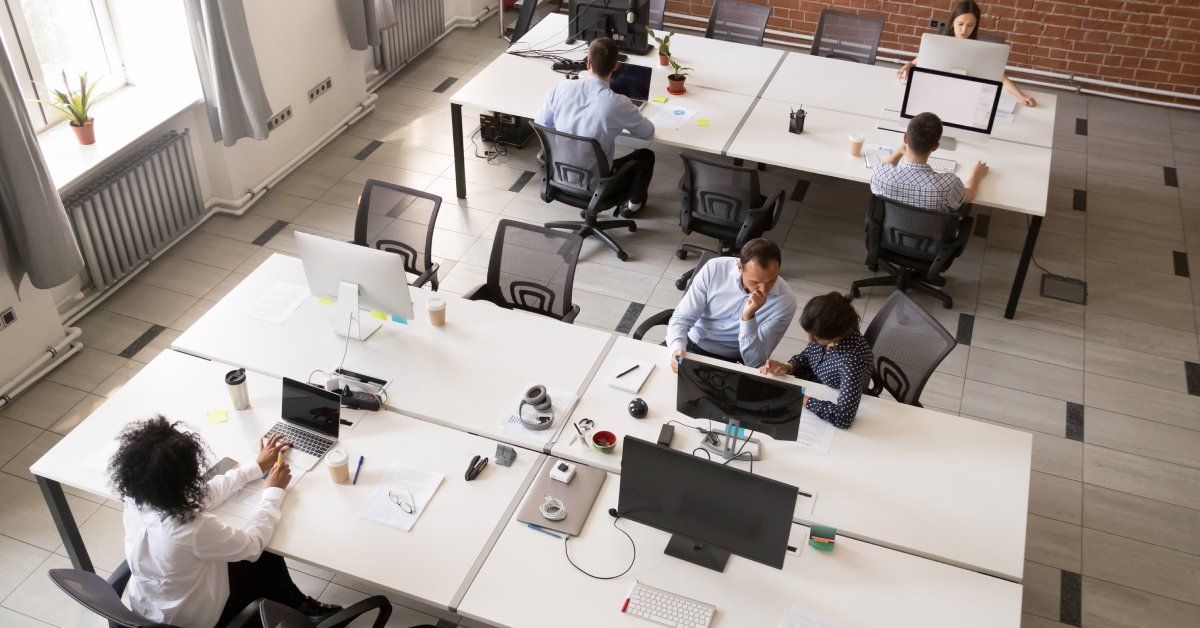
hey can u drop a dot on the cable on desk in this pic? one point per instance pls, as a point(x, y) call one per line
point(633, 560)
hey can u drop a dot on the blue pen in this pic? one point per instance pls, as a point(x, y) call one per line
point(545, 531)
point(357, 469)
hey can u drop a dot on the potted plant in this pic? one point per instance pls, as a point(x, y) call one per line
point(75, 106)
point(664, 46)
point(676, 78)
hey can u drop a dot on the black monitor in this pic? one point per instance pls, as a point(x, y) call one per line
point(961, 102)
point(623, 21)
point(767, 406)
point(711, 510)
point(307, 406)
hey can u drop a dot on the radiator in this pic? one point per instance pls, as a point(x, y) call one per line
point(131, 211)
point(418, 24)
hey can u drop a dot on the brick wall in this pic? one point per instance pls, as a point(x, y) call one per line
point(1145, 43)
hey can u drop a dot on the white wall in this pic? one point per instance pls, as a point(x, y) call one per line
point(36, 328)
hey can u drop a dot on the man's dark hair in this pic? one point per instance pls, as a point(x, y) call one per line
point(924, 132)
point(762, 252)
point(602, 56)
point(161, 466)
point(829, 317)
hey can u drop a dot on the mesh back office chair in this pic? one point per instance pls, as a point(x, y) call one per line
point(847, 36)
point(279, 616)
point(532, 269)
point(400, 220)
point(914, 245)
point(739, 22)
point(657, 10)
point(103, 598)
point(576, 172)
point(908, 344)
point(723, 202)
point(664, 317)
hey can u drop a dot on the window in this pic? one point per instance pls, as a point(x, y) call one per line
point(48, 37)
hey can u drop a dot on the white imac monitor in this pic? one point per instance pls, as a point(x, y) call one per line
point(970, 57)
point(357, 277)
point(962, 102)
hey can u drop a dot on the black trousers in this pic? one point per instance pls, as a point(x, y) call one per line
point(266, 577)
point(643, 160)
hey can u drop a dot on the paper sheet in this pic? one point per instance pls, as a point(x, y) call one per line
point(561, 403)
point(1007, 105)
point(410, 485)
point(816, 434)
point(278, 302)
point(671, 117)
point(806, 500)
point(243, 502)
point(795, 617)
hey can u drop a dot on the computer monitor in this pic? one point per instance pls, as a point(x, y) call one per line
point(623, 21)
point(962, 102)
point(969, 57)
point(356, 277)
point(740, 400)
point(711, 510)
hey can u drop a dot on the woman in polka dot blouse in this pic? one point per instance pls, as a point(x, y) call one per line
point(837, 356)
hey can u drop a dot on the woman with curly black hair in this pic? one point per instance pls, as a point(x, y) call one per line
point(190, 568)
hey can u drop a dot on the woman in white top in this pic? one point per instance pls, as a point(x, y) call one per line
point(190, 568)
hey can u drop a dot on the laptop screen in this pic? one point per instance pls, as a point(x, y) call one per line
point(632, 81)
point(311, 407)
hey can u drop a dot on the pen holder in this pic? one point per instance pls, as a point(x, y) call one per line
point(796, 121)
point(822, 537)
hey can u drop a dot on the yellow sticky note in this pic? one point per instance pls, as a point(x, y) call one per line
point(702, 122)
point(380, 315)
point(212, 417)
point(659, 99)
point(325, 301)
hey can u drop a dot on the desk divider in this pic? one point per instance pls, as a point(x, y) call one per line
point(754, 104)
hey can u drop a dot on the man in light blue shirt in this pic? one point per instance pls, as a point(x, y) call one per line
point(735, 309)
point(590, 108)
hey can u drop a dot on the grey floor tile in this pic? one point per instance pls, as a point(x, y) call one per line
point(599, 310)
point(182, 275)
point(328, 165)
point(19, 465)
point(1141, 566)
point(1130, 473)
point(1014, 407)
point(1142, 518)
point(1040, 590)
point(1138, 280)
point(114, 382)
point(1139, 307)
point(43, 403)
point(77, 414)
point(110, 332)
point(1053, 542)
point(161, 342)
point(1111, 605)
point(1140, 400)
point(1036, 621)
point(25, 516)
point(329, 218)
point(193, 314)
point(86, 369)
point(15, 436)
point(1021, 341)
point(213, 250)
point(1056, 497)
point(1041, 378)
point(1135, 366)
point(17, 562)
point(149, 303)
point(39, 598)
point(281, 205)
point(244, 228)
point(311, 586)
point(942, 392)
point(1151, 439)
point(304, 185)
point(223, 287)
point(1121, 332)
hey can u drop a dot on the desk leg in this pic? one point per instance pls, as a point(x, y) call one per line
point(460, 174)
point(60, 511)
point(1035, 224)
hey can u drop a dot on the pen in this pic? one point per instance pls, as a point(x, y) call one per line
point(279, 458)
point(628, 370)
point(582, 438)
point(545, 531)
point(357, 469)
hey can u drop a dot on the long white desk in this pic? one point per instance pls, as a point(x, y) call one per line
point(464, 375)
point(954, 489)
point(320, 523)
point(857, 584)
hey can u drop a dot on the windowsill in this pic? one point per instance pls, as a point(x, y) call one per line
point(121, 120)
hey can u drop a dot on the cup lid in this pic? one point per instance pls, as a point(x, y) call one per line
point(235, 377)
point(856, 137)
point(436, 303)
point(336, 457)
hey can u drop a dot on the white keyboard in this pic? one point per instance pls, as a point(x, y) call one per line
point(666, 608)
point(942, 165)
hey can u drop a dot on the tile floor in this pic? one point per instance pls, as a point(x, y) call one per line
point(1110, 391)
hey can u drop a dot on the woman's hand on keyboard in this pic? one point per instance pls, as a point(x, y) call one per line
point(280, 476)
point(270, 449)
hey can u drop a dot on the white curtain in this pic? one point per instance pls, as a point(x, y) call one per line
point(364, 19)
point(233, 90)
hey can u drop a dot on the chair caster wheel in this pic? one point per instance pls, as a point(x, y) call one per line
point(632, 228)
point(622, 255)
point(947, 305)
point(681, 284)
point(854, 292)
point(681, 254)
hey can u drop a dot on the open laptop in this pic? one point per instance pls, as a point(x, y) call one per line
point(633, 81)
point(311, 417)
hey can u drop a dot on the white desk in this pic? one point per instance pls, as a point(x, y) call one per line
point(466, 375)
point(526, 581)
point(1019, 179)
point(320, 523)
point(914, 479)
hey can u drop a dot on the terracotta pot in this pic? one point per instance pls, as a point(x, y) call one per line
point(86, 134)
point(664, 60)
point(676, 85)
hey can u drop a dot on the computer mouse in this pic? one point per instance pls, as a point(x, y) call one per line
point(638, 408)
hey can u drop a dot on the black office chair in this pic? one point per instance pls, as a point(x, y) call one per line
point(103, 598)
point(908, 344)
point(275, 615)
point(532, 269)
point(400, 220)
point(739, 22)
point(657, 11)
point(664, 317)
point(576, 172)
point(992, 37)
point(722, 202)
point(847, 36)
point(914, 246)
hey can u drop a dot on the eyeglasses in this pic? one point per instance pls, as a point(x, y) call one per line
point(405, 502)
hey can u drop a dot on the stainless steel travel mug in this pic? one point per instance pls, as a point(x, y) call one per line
point(235, 380)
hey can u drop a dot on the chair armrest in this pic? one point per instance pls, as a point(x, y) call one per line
point(952, 249)
point(424, 278)
point(478, 293)
point(248, 616)
point(617, 180)
point(120, 578)
point(363, 607)
point(662, 318)
point(569, 317)
point(773, 205)
point(776, 204)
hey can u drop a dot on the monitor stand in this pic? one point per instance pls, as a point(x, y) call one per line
point(347, 317)
point(896, 124)
point(729, 445)
point(697, 553)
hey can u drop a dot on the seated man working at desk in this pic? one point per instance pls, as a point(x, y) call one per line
point(590, 108)
point(735, 309)
point(837, 356)
point(188, 567)
point(906, 177)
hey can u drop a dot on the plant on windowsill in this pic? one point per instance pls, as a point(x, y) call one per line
point(75, 106)
point(664, 46)
point(677, 77)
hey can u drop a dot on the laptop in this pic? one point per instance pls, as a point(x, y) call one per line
point(633, 82)
point(311, 417)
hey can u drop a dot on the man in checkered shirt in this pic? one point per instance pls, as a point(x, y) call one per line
point(905, 176)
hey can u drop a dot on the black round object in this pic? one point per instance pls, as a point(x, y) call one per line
point(638, 408)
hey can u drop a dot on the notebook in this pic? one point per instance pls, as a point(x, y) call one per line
point(632, 381)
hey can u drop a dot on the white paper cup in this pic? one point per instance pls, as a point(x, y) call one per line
point(436, 306)
point(856, 144)
point(338, 464)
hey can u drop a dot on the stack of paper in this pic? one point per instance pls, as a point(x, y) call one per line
point(278, 302)
point(816, 434)
point(242, 503)
point(402, 499)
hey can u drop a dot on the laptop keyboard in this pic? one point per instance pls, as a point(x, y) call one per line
point(301, 440)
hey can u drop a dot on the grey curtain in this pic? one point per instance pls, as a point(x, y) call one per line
point(233, 90)
point(363, 19)
point(38, 238)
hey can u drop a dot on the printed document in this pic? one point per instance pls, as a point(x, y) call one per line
point(278, 302)
point(816, 433)
point(402, 499)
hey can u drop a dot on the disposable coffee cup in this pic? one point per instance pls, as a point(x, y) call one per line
point(339, 466)
point(235, 381)
point(856, 144)
point(437, 311)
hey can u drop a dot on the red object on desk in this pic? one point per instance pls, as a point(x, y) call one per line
point(625, 605)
